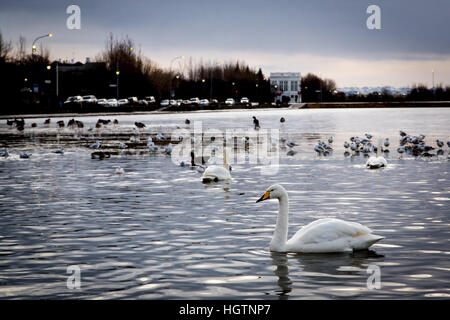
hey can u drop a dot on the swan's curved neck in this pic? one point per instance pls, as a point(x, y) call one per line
point(225, 163)
point(279, 238)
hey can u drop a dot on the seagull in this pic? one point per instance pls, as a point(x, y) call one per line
point(282, 120)
point(119, 170)
point(318, 148)
point(330, 140)
point(386, 142)
point(346, 145)
point(160, 137)
point(402, 133)
point(95, 145)
point(439, 143)
point(122, 145)
point(60, 150)
point(187, 121)
point(168, 149)
point(368, 135)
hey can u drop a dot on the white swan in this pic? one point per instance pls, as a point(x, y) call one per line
point(377, 161)
point(217, 173)
point(320, 236)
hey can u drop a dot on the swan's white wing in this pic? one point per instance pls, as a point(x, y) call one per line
point(376, 162)
point(216, 173)
point(329, 229)
point(331, 235)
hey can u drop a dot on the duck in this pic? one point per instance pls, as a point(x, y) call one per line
point(291, 144)
point(217, 173)
point(327, 235)
point(100, 155)
point(139, 125)
point(25, 155)
point(256, 123)
point(4, 153)
point(282, 120)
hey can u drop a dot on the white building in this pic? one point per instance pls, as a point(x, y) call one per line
point(287, 84)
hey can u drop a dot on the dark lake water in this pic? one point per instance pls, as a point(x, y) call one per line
point(158, 232)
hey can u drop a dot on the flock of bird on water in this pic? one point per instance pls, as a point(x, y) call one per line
point(321, 236)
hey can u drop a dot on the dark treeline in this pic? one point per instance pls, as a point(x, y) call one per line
point(28, 81)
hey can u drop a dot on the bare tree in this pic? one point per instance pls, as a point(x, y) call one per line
point(5, 49)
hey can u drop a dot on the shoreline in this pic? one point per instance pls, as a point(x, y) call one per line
point(199, 109)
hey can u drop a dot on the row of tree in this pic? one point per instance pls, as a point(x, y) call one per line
point(122, 70)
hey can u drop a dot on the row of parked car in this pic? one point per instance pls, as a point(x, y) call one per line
point(200, 102)
point(111, 102)
point(148, 101)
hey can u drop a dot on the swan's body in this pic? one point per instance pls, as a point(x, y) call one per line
point(376, 162)
point(321, 236)
point(217, 173)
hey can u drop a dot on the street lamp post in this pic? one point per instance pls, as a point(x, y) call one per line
point(33, 46)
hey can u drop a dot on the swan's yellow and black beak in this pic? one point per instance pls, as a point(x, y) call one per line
point(264, 197)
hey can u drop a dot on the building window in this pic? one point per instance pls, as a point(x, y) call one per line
point(294, 85)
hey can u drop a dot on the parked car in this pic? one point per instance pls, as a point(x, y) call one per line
point(74, 99)
point(102, 102)
point(194, 100)
point(186, 102)
point(245, 100)
point(164, 103)
point(150, 99)
point(214, 101)
point(89, 99)
point(112, 103)
point(133, 100)
point(179, 102)
point(122, 102)
point(173, 102)
point(143, 102)
point(204, 102)
point(229, 101)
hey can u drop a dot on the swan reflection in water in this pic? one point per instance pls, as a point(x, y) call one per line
point(322, 267)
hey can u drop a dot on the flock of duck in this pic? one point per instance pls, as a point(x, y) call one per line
point(321, 236)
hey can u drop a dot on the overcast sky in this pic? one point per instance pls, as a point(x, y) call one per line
point(327, 36)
